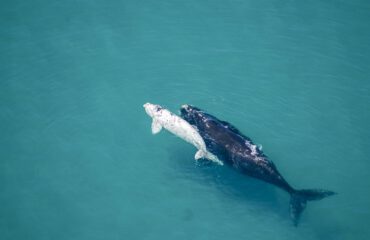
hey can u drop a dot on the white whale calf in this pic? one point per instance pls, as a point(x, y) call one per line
point(181, 128)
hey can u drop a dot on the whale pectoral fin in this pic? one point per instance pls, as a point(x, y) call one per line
point(156, 127)
point(198, 155)
point(260, 147)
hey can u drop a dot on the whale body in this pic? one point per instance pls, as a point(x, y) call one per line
point(163, 118)
point(237, 150)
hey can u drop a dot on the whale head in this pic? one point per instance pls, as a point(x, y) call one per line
point(190, 113)
point(153, 110)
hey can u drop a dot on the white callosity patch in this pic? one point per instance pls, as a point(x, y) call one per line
point(252, 147)
point(254, 150)
point(179, 127)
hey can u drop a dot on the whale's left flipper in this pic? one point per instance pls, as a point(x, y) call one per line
point(299, 198)
point(156, 127)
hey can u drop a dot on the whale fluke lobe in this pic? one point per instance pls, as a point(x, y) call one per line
point(299, 198)
point(199, 154)
point(207, 155)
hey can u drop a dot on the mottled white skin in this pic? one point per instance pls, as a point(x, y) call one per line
point(179, 127)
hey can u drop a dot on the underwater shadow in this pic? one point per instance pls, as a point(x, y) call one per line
point(257, 195)
point(236, 186)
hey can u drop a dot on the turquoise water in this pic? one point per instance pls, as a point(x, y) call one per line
point(77, 157)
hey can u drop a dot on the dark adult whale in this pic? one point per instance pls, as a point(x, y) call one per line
point(235, 149)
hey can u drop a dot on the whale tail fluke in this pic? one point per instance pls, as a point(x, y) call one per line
point(299, 200)
point(207, 155)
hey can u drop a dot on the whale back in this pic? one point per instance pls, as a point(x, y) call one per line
point(234, 129)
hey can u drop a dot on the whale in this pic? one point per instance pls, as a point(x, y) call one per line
point(163, 118)
point(238, 151)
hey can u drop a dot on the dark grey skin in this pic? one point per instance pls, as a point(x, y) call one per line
point(237, 150)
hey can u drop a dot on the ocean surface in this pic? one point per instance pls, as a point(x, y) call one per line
point(77, 156)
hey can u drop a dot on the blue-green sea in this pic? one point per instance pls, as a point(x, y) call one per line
point(78, 160)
